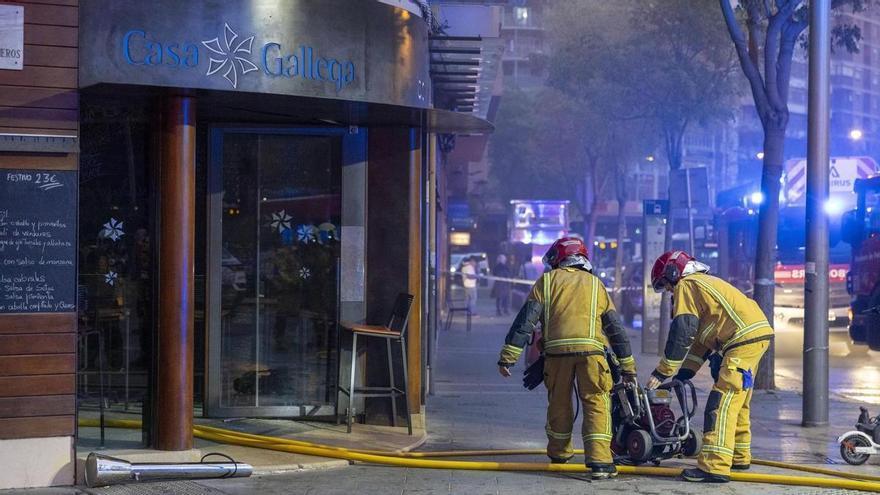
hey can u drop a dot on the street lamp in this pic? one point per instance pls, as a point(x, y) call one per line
point(759, 155)
point(856, 134)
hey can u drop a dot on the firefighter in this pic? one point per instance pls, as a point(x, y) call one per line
point(710, 317)
point(578, 321)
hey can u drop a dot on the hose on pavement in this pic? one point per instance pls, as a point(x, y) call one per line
point(844, 481)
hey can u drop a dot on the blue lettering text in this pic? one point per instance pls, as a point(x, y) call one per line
point(173, 56)
point(126, 45)
point(279, 65)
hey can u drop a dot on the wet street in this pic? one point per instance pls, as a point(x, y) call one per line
point(854, 377)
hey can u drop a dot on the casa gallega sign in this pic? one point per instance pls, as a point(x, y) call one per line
point(230, 56)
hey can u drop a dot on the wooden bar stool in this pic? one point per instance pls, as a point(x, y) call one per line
point(395, 331)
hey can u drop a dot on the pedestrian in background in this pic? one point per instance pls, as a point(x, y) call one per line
point(469, 282)
point(501, 288)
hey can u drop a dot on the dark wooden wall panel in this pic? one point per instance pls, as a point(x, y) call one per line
point(60, 343)
point(50, 56)
point(38, 3)
point(37, 322)
point(17, 96)
point(52, 405)
point(53, 15)
point(38, 351)
point(45, 364)
point(27, 386)
point(44, 118)
point(40, 426)
point(41, 77)
point(41, 34)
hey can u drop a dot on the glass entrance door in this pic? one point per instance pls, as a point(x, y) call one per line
point(275, 208)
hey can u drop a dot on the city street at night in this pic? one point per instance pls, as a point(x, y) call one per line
point(439, 247)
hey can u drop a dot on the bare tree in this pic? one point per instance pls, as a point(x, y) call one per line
point(765, 49)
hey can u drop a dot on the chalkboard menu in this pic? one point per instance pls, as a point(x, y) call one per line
point(37, 241)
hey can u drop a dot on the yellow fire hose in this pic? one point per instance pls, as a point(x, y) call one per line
point(507, 452)
point(845, 481)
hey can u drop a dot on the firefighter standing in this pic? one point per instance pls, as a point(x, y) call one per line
point(578, 321)
point(711, 316)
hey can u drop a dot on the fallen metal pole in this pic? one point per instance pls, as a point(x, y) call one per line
point(102, 470)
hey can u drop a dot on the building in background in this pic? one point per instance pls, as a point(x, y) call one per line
point(522, 30)
point(855, 103)
point(468, 74)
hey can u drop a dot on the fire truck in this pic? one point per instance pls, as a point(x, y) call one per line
point(861, 229)
point(738, 236)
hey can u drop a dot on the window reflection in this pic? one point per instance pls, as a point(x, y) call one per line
point(115, 312)
point(280, 246)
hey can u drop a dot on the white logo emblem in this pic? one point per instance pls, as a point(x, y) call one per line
point(112, 230)
point(232, 61)
point(281, 221)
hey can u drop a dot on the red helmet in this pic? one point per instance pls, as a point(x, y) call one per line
point(564, 248)
point(668, 268)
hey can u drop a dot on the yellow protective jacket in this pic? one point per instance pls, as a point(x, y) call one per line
point(709, 315)
point(577, 318)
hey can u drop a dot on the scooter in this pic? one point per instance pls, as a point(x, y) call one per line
point(858, 445)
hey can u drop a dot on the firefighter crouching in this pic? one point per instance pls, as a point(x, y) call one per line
point(711, 316)
point(578, 321)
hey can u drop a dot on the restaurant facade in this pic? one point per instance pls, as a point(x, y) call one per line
point(234, 180)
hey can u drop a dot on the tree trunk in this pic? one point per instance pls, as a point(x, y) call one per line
point(765, 257)
point(674, 134)
point(618, 258)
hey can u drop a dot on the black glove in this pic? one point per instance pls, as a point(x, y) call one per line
point(534, 374)
point(684, 374)
point(715, 365)
point(613, 365)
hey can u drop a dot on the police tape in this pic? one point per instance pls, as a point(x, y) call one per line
point(521, 281)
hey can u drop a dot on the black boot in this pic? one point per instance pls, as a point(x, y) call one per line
point(602, 471)
point(697, 475)
point(558, 460)
point(741, 467)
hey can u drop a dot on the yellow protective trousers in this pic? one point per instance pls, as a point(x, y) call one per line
point(727, 435)
point(593, 379)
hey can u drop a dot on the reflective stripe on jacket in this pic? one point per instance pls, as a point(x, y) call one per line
point(724, 317)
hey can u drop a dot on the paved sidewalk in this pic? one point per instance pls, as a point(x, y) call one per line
point(472, 407)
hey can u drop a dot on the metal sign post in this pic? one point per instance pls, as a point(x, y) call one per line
point(653, 234)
